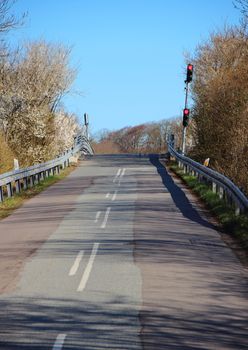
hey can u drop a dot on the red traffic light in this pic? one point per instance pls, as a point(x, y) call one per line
point(186, 111)
point(189, 75)
point(185, 117)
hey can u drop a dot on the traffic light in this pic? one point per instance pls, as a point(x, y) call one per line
point(185, 117)
point(189, 73)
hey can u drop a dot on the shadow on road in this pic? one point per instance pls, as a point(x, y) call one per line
point(178, 196)
point(36, 322)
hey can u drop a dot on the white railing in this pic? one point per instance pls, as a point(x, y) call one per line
point(221, 185)
point(16, 180)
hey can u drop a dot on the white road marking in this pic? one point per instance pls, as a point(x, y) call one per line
point(114, 195)
point(106, 217)
point(122, 174)
point(58, 345)
point(88, 268)
point(107, 195)
point(97, 216)
point(77, 261)
point(117, 174)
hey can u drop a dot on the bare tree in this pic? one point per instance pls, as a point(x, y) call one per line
point(9, 21)
point(220, 94)
point(66, 127)
point(33, 81)
point(242, 5)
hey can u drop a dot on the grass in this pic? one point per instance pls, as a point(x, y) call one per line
point(10, 204)
point(232, 224)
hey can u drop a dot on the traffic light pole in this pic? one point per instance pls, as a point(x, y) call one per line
point(86, 123)
point(184, 128)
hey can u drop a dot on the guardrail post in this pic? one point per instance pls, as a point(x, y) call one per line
point(221, 192)
point(17, 186)
point(237, 209)
point(25, 183)
point(214, 187)
point(1, 194)
point(31, 181)
point(38, 178)
point(9, 190)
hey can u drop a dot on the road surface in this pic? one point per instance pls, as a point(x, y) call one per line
point(119, 255)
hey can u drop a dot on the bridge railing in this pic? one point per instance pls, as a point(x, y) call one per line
point(220, 184)
point(16, 180)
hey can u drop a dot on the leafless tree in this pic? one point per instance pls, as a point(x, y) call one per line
point(9, 21)
point(242, 5)
point(220, 94)
point(33, 81)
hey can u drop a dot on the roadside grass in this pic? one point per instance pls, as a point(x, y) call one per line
point(10, 204)
point(231, 224)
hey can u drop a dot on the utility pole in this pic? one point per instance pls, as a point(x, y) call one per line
point(186, 111)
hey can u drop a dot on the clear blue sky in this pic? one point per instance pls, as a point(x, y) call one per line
point(129, 52)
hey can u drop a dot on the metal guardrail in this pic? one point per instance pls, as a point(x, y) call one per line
point(221, 185)
point(16, 180)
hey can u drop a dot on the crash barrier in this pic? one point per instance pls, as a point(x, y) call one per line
point(220, 184)
point(21, 179)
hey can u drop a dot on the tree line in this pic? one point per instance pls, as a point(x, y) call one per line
point(34, 78)
point(143, 138)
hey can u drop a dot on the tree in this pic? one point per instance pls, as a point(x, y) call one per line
point(220, 95)
point(34, 80)
point(242, 5)
point(144, 138)
point(6, 156)
point(8, 21)
point(66, 128)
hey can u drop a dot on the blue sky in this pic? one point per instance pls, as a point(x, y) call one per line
point(129, 52)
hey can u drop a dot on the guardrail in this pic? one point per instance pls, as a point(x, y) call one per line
point(16, 180)
point(220, 184)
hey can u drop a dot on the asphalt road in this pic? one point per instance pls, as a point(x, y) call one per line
point(119, 256)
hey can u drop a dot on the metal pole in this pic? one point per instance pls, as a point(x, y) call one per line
point(184, 140)
point(86, 123)
point(184, 128)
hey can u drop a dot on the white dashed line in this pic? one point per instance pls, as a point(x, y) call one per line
point(118, 174)
point(114, 195)
point(58, 345)
point(107, 195)
point(88, 269)
point(121, 176)
point(123, 172)
point(97, 216)
point(77, 261)
point(106, 217)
